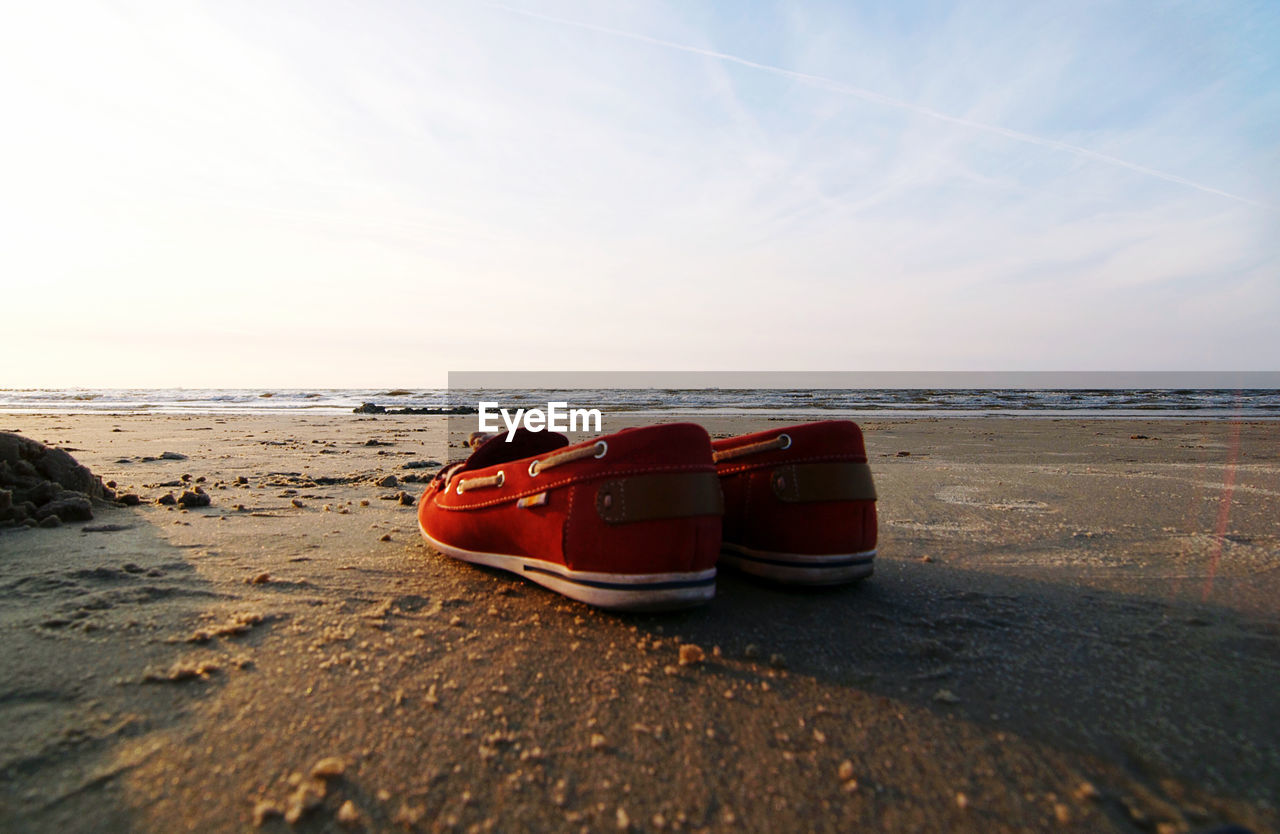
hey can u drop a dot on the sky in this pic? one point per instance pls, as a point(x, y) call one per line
point(327, 194)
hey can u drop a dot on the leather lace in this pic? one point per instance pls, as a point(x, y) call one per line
point(597, 450)
point(782, 441)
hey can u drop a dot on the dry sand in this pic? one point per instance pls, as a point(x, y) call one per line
point(1056, 638)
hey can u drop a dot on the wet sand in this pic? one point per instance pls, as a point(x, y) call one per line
point(1072, 627)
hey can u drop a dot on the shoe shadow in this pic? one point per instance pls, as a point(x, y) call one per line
point(1161, 689)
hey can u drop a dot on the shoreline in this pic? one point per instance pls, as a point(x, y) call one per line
point(1054, 607)
point(697, 414)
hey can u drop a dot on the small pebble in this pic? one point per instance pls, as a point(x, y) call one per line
point(946, 696)
point(297, 503)
point(194, 498)
point(348, 814)
point(328, 767)
point(264, 809)
point(385, 537)
point(691, 654)
point(305, 799)
point(845, 771)
point(1086, 791)
point(1136, 814)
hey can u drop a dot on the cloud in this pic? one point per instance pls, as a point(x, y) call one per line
point(843, 89)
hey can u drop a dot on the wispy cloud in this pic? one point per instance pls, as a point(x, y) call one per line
point(841, 88)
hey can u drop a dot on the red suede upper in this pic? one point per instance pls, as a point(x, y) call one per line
point(567, 529)
point(756, 518)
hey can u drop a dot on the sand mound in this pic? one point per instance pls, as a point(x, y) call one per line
point(38, 483)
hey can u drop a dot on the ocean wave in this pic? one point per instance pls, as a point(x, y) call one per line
point(1255, 403)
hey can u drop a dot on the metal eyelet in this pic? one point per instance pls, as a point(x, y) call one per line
point(502, 479)
point(533, 469)
point(786, 438)
point(457, 489)
point(603, 448)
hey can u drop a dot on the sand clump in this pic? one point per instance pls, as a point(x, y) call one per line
point(691, 655)
point(39, 483)
point(181, 671)
point(237, 625)
point(330, 767)
point(196, 497)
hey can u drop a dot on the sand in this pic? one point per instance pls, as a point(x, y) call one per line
point(1070, 628)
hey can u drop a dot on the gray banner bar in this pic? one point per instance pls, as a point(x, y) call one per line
point(909, 380)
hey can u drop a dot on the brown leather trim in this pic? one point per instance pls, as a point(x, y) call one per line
point(801, 483)
point(666, 495)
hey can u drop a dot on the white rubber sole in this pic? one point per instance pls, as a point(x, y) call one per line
point(615, 591)
point(800, 568)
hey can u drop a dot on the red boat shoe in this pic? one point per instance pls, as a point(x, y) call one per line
point(800, 505)
point(629, 521)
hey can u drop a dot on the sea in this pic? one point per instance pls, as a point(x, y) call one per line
point(1250, 404)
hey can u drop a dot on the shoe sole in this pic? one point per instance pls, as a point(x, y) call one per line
point(615, 591)
point(800, 568)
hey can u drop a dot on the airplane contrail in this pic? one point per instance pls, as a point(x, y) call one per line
point(888, 101)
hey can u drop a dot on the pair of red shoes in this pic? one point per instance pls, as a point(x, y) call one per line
point(637, 520)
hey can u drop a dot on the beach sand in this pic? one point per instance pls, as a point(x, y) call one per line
point(1072, 627)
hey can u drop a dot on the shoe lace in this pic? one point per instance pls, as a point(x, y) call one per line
point(596, 450)
point(782, 441)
